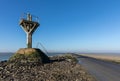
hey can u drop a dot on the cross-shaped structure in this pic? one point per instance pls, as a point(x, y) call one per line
point(29, 27)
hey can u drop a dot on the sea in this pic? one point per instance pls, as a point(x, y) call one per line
point(6, 56)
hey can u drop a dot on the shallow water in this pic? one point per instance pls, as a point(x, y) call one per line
point(5, 56)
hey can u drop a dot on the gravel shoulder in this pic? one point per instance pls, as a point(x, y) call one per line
point(61, 68)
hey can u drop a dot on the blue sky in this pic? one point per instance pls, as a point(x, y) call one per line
point(65, 25)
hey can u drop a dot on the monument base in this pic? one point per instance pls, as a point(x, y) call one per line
point(25, 55)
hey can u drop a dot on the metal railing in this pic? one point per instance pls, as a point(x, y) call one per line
point(34, 18)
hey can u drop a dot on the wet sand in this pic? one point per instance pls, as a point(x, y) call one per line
point(113, 58)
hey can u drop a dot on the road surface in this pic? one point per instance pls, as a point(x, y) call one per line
point(101, 70)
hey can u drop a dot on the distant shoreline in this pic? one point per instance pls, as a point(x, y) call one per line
point(6, 55)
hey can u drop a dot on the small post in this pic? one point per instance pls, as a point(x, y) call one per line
point(29, 17)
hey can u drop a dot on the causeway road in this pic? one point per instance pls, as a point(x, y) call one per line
point(99, 69)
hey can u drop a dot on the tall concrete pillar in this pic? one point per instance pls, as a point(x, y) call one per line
point(29, 40)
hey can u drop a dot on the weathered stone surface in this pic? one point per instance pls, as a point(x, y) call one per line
point(59, 69)
point(25, 55)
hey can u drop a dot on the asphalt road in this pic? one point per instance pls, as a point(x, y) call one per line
point(101, 70)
